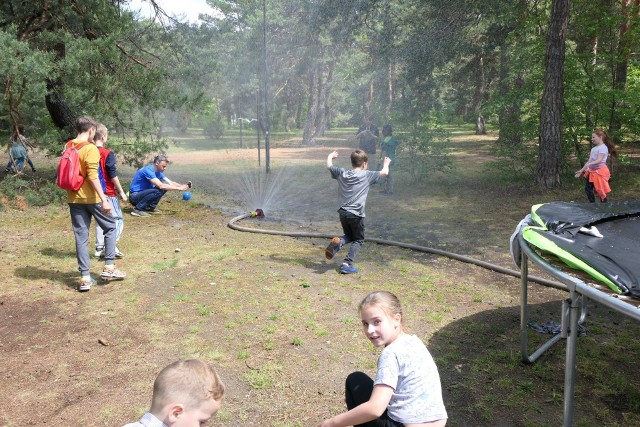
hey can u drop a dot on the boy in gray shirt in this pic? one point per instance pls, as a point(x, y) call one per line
point(353, 185)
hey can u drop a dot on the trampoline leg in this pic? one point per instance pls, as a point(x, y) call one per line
point(524, 319)
point(524, 308)
point(575, 302)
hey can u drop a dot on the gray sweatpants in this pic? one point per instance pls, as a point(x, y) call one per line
point(81, 223)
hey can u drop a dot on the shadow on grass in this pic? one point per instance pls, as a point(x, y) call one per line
point(485, 383)
point(68, 278)
point(318, 266)
point(57, 253)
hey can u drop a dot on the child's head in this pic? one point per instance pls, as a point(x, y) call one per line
point(381, 314)
point(85, 123)
point(186, 393)
point(101, 134)
point(387, 130)
point(359, 158)
point(606, 139)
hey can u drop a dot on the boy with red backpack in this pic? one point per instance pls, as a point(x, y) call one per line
point(90, 201)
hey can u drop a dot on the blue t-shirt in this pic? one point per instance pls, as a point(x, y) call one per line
point(142, 180)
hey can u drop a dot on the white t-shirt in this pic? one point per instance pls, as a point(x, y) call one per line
point(595, 152)
point(407, 366)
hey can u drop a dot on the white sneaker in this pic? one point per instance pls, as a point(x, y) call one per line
point(99, 253)
point(111, 272)
point(118, 253)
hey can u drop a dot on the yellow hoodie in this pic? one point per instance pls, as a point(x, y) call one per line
point(89, 157)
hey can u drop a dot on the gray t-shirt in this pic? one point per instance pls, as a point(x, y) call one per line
point(353, 186)
point(407, 366)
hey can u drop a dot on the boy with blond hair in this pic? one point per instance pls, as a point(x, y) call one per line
point(186, 393)
point(108, 175)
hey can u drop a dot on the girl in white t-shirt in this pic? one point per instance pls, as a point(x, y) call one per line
point(595, 170)
point(406, 391)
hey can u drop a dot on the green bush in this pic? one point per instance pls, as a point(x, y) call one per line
point(426, 150)
point(35, 190)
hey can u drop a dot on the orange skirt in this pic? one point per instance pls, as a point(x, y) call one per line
point(600, 180)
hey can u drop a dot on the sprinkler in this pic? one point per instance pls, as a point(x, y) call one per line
point(257, 212)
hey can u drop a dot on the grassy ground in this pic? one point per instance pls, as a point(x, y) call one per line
point(275, 318)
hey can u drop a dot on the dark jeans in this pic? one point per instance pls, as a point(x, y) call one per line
point(358, 389)
point(353, 228)
point(146, 199)
point(589, 189)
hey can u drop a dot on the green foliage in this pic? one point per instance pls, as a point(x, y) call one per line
point(210, 120)
point(34, 190)
point(93, 59)
point(426, 150)
point(394, 60)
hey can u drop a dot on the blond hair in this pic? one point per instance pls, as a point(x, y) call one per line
point(388, 302)
point(101, 131)
point(188, 382)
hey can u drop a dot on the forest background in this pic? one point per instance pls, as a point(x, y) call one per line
point(542, 73)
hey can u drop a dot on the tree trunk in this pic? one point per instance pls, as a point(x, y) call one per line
point(479, 92)
point(322, 121)
point(58, 109)
point(548, 168)
point(480, 125)
point(307, 133)
point(390, 95)
point(628, 20)
point(369, 100)
point(509, 121)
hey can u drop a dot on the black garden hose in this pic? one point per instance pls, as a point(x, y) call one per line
point(498, 269)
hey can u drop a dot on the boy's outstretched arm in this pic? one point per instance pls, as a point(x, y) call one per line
point(330, 158)
point(385, 167)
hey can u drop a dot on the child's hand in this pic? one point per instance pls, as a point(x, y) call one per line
point(387, 161)
point(327, 423)
point(333, 155)
point(577, 175)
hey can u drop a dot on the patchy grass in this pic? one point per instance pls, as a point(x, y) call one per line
point(275, 317)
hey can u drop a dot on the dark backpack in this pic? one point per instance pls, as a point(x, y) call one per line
point(69, 175)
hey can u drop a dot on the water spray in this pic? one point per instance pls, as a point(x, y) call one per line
point(257, 213)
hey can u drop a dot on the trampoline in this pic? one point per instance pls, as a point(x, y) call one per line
point(599, 247)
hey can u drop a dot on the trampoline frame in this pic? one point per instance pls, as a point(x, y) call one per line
point(572, 314)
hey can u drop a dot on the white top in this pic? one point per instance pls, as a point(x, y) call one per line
point(595, 151)
point(407, 366)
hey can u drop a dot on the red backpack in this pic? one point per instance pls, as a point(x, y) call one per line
point(69, 175)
